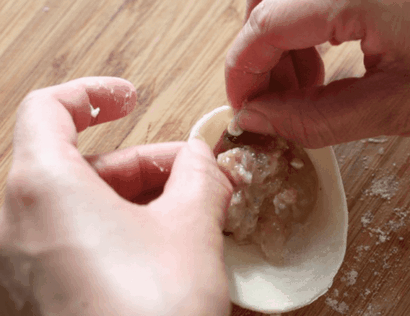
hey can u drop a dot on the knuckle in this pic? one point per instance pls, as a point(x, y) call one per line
point(259, 21)
point(28, 104)
point(23, 191)
point(21, 182)
point(34, 177)
point(33, 96)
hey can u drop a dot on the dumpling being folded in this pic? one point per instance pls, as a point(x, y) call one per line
point(310, 253)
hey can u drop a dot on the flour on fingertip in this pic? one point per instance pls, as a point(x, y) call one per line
point(94, 112)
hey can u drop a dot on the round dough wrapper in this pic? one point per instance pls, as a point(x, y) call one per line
point(314, 253)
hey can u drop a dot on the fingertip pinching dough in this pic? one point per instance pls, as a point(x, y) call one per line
point(286, 231)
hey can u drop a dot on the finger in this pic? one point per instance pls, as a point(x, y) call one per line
point(137, 172)
point(280, 78)
point(50, 118)
point(343, 111)
point(283, 76)
point(250, 5)
point(197, 187)
point(277, 26)
point(191, 215)
point(308, 66)
point(297, 69)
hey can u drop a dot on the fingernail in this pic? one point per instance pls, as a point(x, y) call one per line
point(200, 147)
point(256, 122)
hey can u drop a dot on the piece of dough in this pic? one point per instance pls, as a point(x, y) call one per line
point(314, 254)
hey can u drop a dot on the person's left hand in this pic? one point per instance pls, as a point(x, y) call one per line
point(92, 251)
point(275, 76)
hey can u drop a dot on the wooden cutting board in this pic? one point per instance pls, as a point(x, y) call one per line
point(174, 52)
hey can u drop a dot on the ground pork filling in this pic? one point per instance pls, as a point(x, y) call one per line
point(275, 189)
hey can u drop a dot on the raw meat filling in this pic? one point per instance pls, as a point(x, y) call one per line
point(275, 188)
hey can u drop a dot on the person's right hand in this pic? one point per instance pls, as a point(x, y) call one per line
point(274, 74)
point(72, 241)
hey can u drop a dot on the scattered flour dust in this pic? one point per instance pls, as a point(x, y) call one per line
point(350, 277)
point(402, 216)
point(382, 235)
point(367, 218)
point(162, 169)
point(371, 311)
point(384, 187)
point(392, 225)
point(127, 106)
point(359, 252)
point(341, 307)
point(377, 140)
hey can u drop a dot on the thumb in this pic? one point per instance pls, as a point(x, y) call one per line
point(197, 189)
point(342, 111)
point(191, 216)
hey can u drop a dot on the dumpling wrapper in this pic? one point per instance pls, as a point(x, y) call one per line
point(314, 253)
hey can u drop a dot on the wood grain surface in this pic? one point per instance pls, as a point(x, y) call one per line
point(173, 52)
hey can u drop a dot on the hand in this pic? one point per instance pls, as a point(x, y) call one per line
point(275, 75)
point(91, 251)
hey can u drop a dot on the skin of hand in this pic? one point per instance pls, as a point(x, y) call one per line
point(274, 75)
point(90, 251)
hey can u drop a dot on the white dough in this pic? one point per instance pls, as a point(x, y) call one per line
point(314, 253)
point(94, 112)
point(233, 128)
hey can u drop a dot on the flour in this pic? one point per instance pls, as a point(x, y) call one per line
point(367, 218)
point(350, 277)
point(384, 187)
point(371, 311)
point(382, 235)
point(341, 307)
point(359, 250)
point(392, 225)
point(377, 140)
point(94, 112)
point(402, 216)
point(158, 166)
